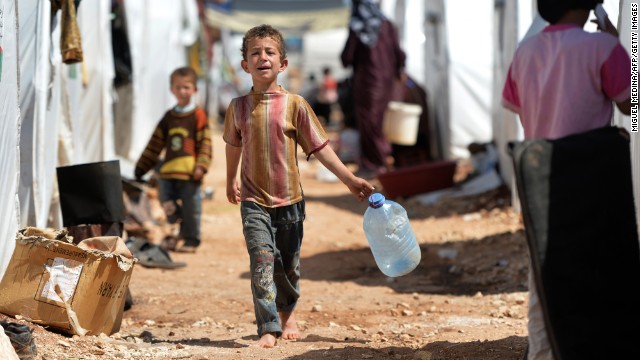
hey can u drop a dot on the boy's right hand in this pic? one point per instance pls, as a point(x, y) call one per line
point(233, 192)
point(138, 173)
point(360, 188)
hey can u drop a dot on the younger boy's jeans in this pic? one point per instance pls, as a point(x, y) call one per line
point(273, 237)
point(182, 200)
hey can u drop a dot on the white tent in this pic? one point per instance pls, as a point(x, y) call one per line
point(9, 132)
point(39, 104)
point(461, 52)
point(289, 16)
point(54, 114)
point(468, 48)
point(159, 31)
point(37, 108)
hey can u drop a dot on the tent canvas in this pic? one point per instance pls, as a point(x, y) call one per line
point(290, 16)
point(76, 99)
point(158, 32)
point(9, 132)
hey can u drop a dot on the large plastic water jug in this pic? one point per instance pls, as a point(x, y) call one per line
point(390, 236)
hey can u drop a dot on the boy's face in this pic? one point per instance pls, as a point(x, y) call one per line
point(183, 88)
point(264, 63)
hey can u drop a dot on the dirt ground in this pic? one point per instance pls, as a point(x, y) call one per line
point(466, 300)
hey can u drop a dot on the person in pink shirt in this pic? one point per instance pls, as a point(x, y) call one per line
point(264, 130)
point(327, 96)
point(565, 81)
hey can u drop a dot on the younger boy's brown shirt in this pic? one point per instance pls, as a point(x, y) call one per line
point(187, 140)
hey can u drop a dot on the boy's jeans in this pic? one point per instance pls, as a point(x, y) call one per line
point(273, 237)
point(182, 199)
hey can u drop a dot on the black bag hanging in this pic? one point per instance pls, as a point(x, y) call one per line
point(580, 223)
point(91, 193)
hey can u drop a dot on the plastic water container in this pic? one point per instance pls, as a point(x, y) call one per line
point(390, 237)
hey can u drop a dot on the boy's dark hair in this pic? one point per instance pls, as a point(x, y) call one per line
point(260, 32)
point(184, 72)
point(326, 70)
point(553, 10)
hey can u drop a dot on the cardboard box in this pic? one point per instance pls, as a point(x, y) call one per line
point(50, 281)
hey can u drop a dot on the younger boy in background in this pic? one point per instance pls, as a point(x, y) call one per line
point(264, 128)
point(183, 132)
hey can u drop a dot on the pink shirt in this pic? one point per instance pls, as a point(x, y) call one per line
point(269, 126)
point(563, 81)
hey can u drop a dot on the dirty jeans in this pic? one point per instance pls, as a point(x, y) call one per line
point(273, 237)
point(182, 200)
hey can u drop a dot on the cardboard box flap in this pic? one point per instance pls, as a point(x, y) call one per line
point(109, 246)
point(33, 232)
point(48, 280)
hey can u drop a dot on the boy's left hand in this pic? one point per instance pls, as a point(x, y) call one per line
point(198, 173)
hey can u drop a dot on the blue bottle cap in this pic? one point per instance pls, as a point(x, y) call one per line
point(376, 200)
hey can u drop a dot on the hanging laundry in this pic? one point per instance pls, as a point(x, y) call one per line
point(70, 42)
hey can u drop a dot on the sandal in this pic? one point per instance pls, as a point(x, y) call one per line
point(151, 255)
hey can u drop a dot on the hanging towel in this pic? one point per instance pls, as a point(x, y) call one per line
point(70, 42)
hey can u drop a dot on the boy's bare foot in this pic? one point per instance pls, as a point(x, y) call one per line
point(267, 340)
point(289, 326)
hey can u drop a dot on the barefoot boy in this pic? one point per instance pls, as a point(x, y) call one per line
point(264, 128)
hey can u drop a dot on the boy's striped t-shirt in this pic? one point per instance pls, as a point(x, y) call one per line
point(269, 126)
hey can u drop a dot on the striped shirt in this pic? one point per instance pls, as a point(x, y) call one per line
point(269, 126)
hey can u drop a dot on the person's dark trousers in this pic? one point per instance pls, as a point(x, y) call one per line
point(182, 201)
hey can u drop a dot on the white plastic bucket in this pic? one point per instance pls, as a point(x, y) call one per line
point(400, 123)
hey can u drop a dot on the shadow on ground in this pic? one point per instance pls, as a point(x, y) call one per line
point(511, 348)
point(494, 264)
point(495, 199)
point(227, 344)
point(313, 338)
